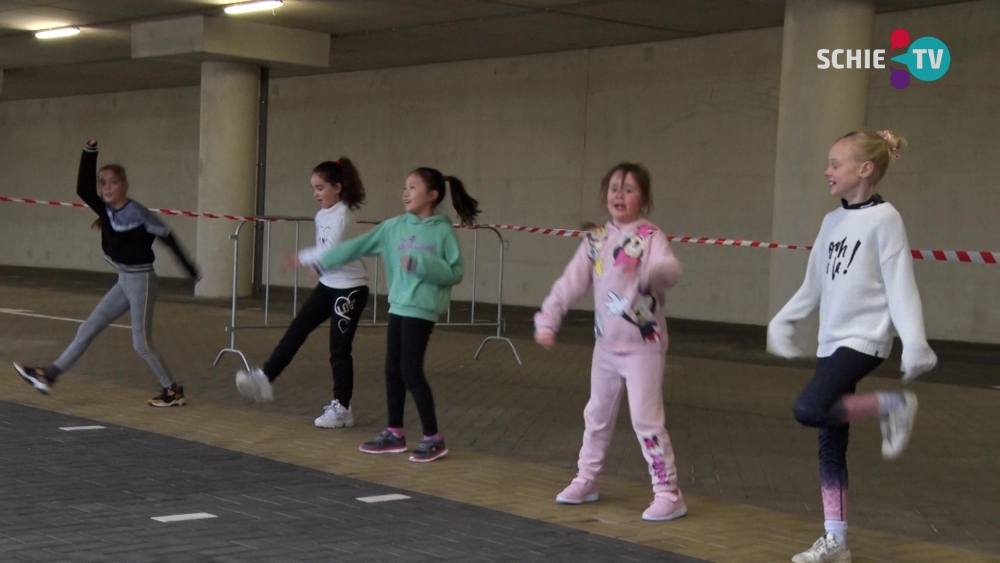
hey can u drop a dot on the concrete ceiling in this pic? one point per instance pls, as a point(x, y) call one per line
point(367, 34)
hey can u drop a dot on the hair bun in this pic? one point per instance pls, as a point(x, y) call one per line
point(894, 141)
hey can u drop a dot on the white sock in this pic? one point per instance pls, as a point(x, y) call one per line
point(889, 401)
point(838, 529)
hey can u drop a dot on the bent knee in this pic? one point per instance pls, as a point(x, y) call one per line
point(807, 415)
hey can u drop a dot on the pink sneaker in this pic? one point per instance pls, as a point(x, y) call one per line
point(666, 506)
point(579, 491)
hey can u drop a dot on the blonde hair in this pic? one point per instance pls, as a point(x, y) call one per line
point(879, 147)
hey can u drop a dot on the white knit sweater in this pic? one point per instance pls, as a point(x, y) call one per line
point(860, 274)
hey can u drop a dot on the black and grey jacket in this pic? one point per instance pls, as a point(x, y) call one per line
point(127, 234)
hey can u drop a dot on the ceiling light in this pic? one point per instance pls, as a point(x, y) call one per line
point(253, 6)
point(58, 32)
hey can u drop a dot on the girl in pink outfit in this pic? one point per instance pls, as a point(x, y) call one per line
point(629, 264)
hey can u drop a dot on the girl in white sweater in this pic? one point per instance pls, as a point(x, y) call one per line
point(860, 274)
point(340, 296)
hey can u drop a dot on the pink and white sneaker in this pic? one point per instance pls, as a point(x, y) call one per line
point(666, 506)
point(579, 491)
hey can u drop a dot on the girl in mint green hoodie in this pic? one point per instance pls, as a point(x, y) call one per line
point(423, 261)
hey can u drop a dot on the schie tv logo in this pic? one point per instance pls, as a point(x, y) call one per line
point(927, 58)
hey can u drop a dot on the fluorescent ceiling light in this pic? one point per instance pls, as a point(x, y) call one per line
point(253, 6)
point(58, 32)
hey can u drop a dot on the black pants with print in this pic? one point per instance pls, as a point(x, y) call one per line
point(404, 370)
point(343, 307)
point(819, 406)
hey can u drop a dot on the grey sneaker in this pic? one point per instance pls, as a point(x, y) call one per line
point(429, 450)
point(335, 416)
point(386, 443)
point(254, 385)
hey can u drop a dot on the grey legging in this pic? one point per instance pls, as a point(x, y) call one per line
point(135, 292)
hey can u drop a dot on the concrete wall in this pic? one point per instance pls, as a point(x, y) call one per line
point(532, 136)
point(154, 134)
point(947, 183)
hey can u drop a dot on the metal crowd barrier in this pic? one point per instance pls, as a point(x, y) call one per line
point(498, 323)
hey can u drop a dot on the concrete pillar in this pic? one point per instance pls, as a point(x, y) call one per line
point(232, 51)
point(226, 171)
point(815, 108)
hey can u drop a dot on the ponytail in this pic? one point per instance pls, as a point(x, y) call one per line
point(343, 172)
point(466, 206)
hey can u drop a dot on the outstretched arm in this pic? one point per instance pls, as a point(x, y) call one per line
point(782, 327)
point(574, 283)
point(86, 180)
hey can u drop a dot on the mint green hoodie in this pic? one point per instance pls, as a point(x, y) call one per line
point(423, 291)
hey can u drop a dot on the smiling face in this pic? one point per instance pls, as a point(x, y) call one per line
point(416, 197)
point(849, 179)
point(625, 199)
point(113, 187)
point(326, 194)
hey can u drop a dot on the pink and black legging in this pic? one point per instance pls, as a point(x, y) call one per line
point(829, 402)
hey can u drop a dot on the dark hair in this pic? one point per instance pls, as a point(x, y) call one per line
point(343, 172)
point(641, 175)
point(119, 171)
point(465, 205)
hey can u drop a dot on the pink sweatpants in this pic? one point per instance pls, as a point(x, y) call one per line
point(642, 376)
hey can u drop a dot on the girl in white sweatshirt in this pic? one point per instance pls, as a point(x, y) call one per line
point(860, 274)
point(340, 296)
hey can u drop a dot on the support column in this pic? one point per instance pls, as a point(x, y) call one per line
point(815, 108)
point(232, 52)
point(226, 172)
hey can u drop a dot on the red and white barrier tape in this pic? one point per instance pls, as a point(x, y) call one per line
point(975, 257)
point(162, 210)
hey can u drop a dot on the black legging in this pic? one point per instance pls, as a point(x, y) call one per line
point(404, 370)
point(343, 307)
point(819, 406)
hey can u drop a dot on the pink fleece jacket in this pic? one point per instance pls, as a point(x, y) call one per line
point(630, 268)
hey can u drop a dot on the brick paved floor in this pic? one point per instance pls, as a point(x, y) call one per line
point(90, 495)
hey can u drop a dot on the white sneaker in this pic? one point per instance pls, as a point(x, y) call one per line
point(254, 385)
point(335, 416)
point(825, 550)
point(897, 425)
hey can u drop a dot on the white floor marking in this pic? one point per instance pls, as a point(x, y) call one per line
point(74, 428)
point(26, 313)
point(182, 517)
point(383, 498)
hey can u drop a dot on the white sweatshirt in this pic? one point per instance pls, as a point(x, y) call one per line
point(333, 226)
point(860, 274)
